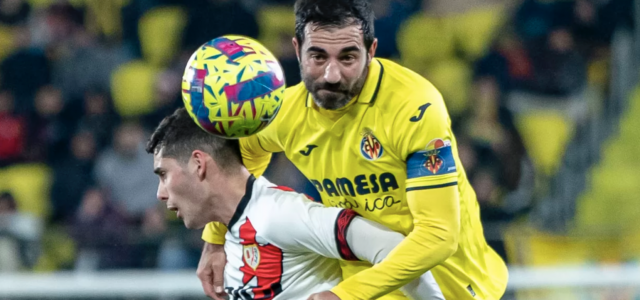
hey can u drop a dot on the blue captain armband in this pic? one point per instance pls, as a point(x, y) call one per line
point(437, 159)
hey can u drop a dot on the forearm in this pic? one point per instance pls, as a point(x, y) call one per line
point(208, 247)
point(434, 238)
point(373, 242)
point(417, 253)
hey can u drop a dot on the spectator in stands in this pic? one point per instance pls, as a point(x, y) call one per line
point(48, 131)
point(85, 64)
point(167, 97)
point(208, 19)
point(53, 29)
point(150, 237)
point(98, 116)
point(552, 65)
point(507, 61)
point(288, 61)
point(14, 12)
point(25, 71)
point(389, 16)
point(13, 135)
point(560, 70)
point(72, 176)
point(101, 233)
point(122, 171)
point(496, 161)
point(19, 236)
point(492, 125)
point(594, 23)
point(535, 19)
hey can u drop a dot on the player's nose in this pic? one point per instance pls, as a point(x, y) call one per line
point(332, 73)
point(162, 194)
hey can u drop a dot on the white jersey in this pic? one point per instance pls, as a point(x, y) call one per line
point(281, 245)
point(274, 241)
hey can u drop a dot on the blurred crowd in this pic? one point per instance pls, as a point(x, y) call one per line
point(83, 82)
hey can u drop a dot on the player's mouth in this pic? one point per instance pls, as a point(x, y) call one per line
point(173, 208)
point(332, 91)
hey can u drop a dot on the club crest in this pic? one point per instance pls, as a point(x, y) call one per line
point(370, 147)
point(434, 161)
point(251, 255)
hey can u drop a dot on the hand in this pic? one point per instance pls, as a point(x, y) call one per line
point(326, 295)
point(211, 270)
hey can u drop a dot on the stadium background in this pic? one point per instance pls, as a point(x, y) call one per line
point(543, 96)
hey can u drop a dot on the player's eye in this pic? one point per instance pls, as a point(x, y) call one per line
point(348, 58)
point(318, 57)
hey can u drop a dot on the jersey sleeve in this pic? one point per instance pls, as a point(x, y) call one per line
point(254, 157)
point(256, 149)
point(372, 242)
point(256, 154)
point(332, 232)
point(301, 225)
point(214, 232)
point(423, 137)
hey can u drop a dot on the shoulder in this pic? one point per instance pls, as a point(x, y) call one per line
point(296, 91)
point(292, 105)
point(288, 116)
point(294, 98)
point(402, 90)
point(280, 207)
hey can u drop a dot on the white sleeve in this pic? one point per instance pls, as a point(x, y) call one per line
point(298, 224)
point(372, 242)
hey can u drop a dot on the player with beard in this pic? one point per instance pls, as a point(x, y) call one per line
point(374, 137)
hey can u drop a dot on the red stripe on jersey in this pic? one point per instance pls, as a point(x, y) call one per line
point(288, 189)
point(261, 261)
point(342, 224)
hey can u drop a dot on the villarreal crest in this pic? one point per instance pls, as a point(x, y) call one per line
point(370, 146)
point(434, 161)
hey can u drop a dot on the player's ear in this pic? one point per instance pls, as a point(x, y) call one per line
point(294, 41)
point(198, 164)
point(372, 50)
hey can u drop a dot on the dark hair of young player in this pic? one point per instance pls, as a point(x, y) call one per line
point(178, 136)
point(339, 13)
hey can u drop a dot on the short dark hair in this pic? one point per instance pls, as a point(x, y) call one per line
point(335, 13)
point(178, 136)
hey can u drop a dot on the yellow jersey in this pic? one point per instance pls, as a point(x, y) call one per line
point(389, 155)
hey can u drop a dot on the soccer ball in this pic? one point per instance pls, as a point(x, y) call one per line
point(233, 86)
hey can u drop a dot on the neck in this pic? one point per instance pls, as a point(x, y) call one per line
point(231, 194)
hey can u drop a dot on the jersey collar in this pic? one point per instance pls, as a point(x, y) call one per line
point(371, 86)
point(243, 202)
